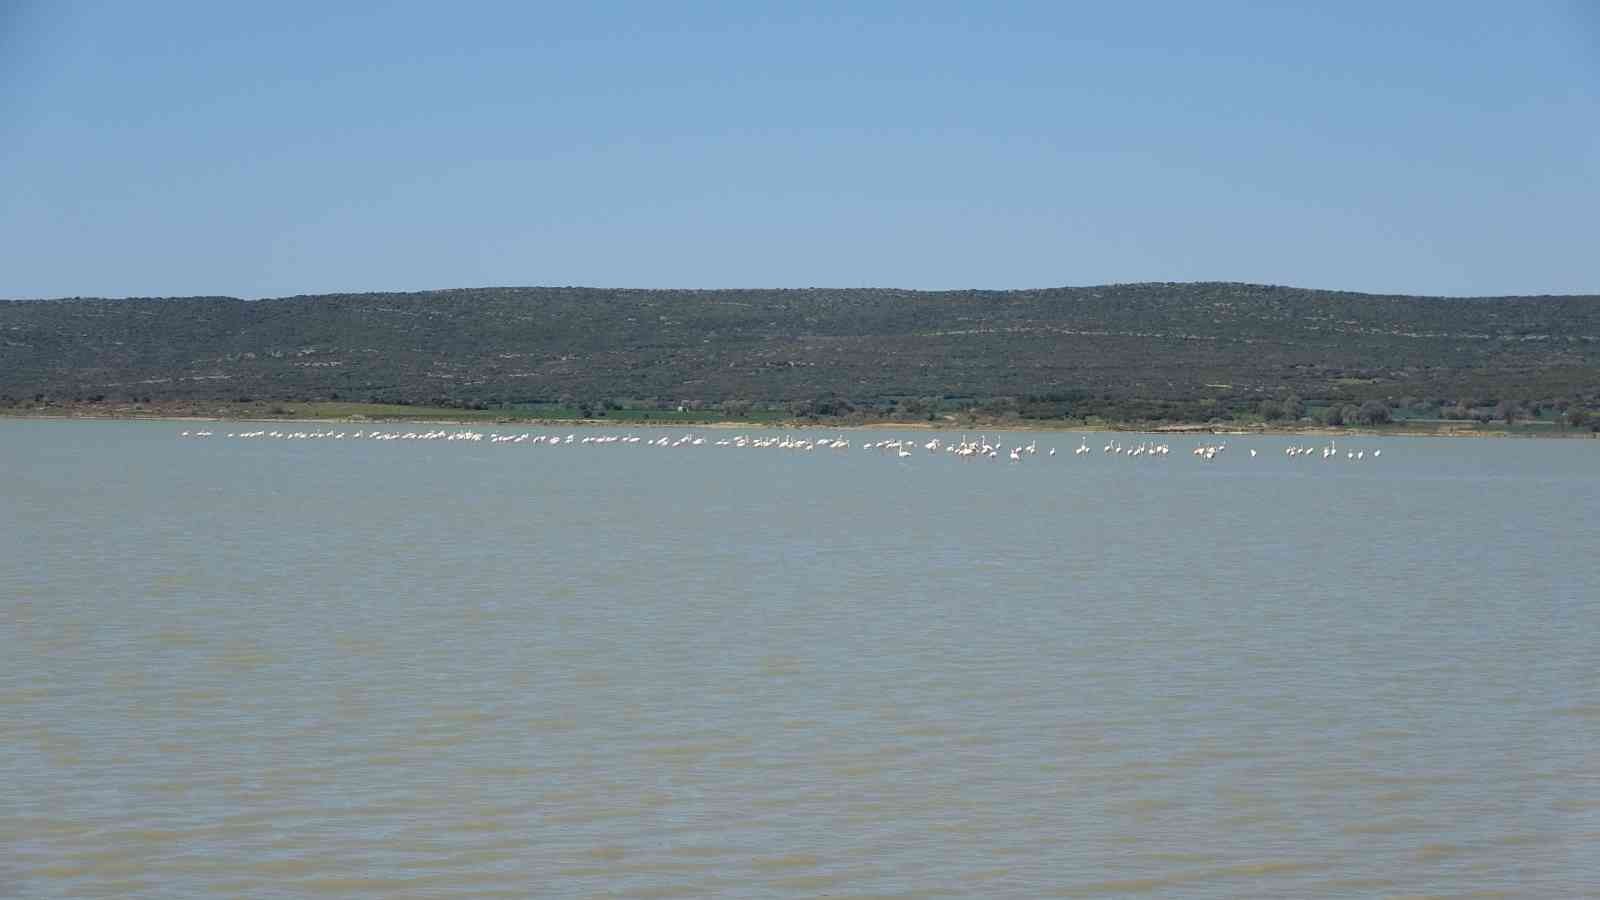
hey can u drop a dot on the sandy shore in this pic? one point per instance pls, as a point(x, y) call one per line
point(1463, 430)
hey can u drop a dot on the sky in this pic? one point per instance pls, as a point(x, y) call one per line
point(269, 149)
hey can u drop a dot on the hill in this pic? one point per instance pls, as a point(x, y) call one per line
point(1158, 351)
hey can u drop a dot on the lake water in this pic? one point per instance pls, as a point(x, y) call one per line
point(270, 667)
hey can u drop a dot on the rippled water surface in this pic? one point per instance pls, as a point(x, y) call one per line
point(449, 668)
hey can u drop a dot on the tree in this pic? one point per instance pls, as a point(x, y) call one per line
point(1333, 416)
point(1293, 408)
point(1508, 410)
point(1577, 416)
point(832, 406)
point(1373, 412)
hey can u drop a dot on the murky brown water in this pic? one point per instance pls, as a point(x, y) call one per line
point(338, 668)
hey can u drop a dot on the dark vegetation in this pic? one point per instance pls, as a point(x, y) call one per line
point(1145, 353)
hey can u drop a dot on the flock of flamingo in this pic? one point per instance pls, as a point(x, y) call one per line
point(984, 447)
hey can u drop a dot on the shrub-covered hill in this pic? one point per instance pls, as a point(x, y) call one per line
point(1148, 347)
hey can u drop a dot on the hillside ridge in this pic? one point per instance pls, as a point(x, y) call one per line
point(1137, 351)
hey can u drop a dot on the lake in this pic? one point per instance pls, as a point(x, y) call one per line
point(278, 666)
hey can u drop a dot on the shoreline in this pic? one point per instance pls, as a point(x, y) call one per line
point(1466, 430)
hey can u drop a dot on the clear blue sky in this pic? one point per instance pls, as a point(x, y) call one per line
point(263, 149)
